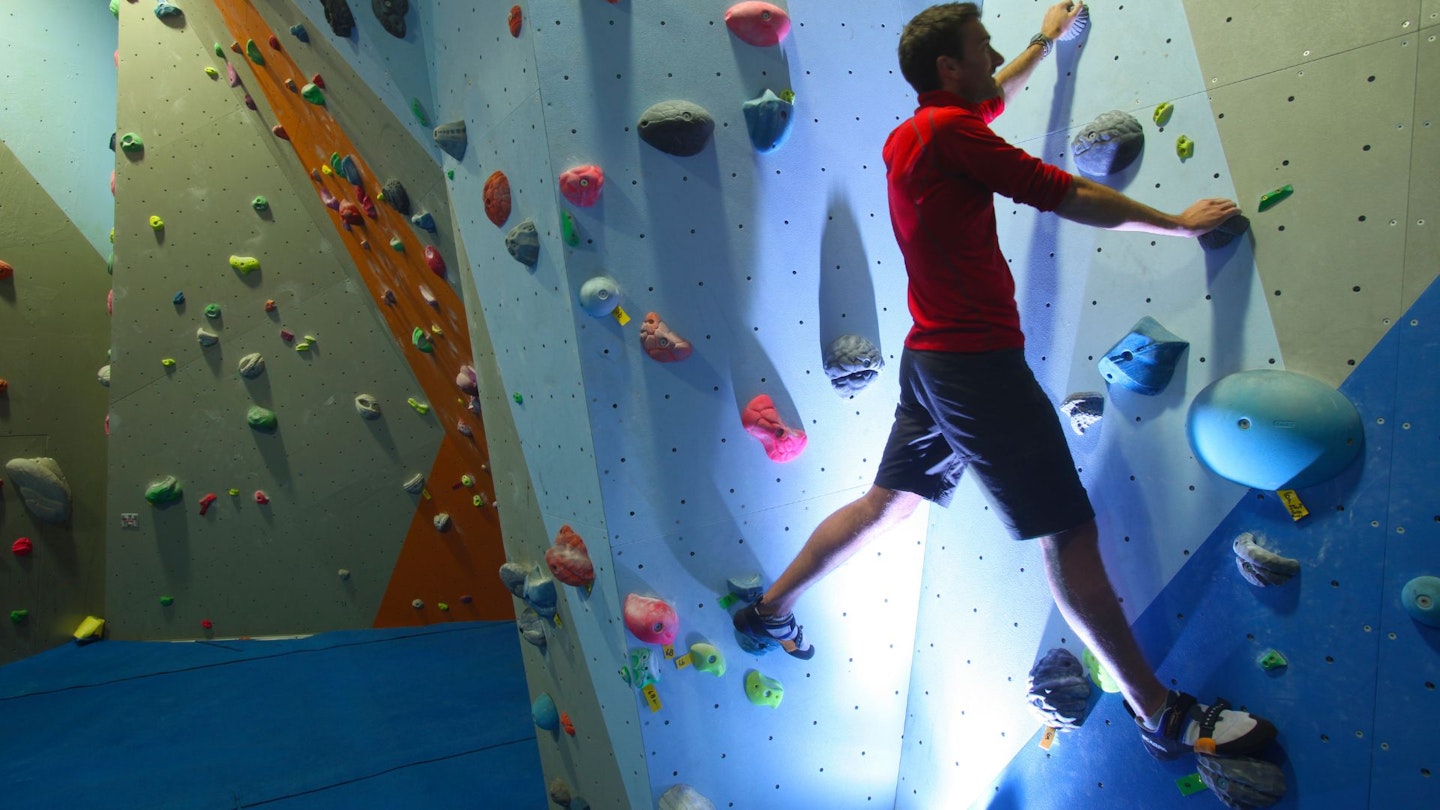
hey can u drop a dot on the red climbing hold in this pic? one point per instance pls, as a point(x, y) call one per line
point(497, 198)
point(318, 81)
point(366, 203)
point(569, 560)
point(435, 260)
point(207, 624)
point(279, 132)
point(567, 724)
point(235, 46)
point(274, 42)
point(350, 213)
point(22, 547)
point(260, 498)
point(7, 270)
point(286, 335)
point(581, 185)
point(206, 501)
point(761, 420)
point(516, 18)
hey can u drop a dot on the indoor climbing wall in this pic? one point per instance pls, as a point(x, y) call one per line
point(56, 116)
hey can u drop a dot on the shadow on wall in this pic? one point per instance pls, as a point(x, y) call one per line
point(847, 292)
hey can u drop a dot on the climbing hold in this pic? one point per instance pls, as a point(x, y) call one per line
point(581, 185)
point(543, 711)
point(651, 620)
point(167, 601)
point(533, 587)
point(1185, 147)
point(393, 192)
point(22, 547)
point(231, 75)
point(367, 406)
point(1145, 359)
point(761, 420)
point(464, 430)
point(261, 498)
point(707, 658)
point(420, 407)
point(1162, 113)
point(1273, 430)
point(1260, 566)
point(758, 24)
point(415, 484)
point(1225, 232)
point(164, 10)
point(516, 19)
point(157, 223)
point(397, 245)
point(1098, 674)
point(441, 521)
point(42, 487)
point(250, 102)
point(497, 198)
point(641, 669)
point(205, 502)
point(1273, 660)
point(1270, 199)
point(391, 14)
point(19, 616)
point(299, 32)
point(167, 362)
point(1084, 409)
point(212, 311)
point(313, 94)
point(569, 560)
point(568, 231)
point(444, 608)
point(676, 127)
point(747, 588)
point(1059, 690)
point(599, 296)
point(349, 169)
point(418, 604)
point(1108, 144)
point(251, 365)
point(523, 242)
point(768, 118)
point(1421, 599)
point(1243, 782)
point(132, 143)
point(660, 343)
point(424, 220)
point(351, 214)
point(467, 480)
point(421, 340)
point(366, 203)
point(103, 375)
point(337, 14)
point(270, 305)
point(260, 204)
point(451, 138)
point(467, 381)
point(852, 362)
point(261, 418)
point(567, 724)
point(206, 337)
point(164, 490)
point(519, 398)
point(318, 81)
point(7, 270)
point(235, 46)
point(684, 797)
point(532, 627)
point(763, 691)
point(248, 264)
point(253, 51)
point(389, 297)
point(279, 132)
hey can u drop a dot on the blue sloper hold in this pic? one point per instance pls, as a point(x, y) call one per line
point(350, 169)
point(851, 363)
point(1108, 144)
point(530, 585)
point(544, 713)
point(1225, 232)
point(676, 127)
point(1144, 360)
point(163, 10)
point(768, 118)
point(1059, 690)
point(424, 220)
point(300, 33)
point(1243, 782)
point(1421, 599)
point(452, 139)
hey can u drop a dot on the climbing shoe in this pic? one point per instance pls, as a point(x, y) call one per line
point(1186, 725)
point(759, 634)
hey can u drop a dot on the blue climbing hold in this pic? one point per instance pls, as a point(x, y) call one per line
point(1144, 360)
point(300, 32)
point(544, 713)
point(1271, 429)
point(1421, 598)
point(350, 170)
point(179, 298)
point(424, 220)
point(768, 118)
point(163, 10)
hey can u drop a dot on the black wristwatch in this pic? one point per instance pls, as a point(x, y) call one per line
point(1044, 42)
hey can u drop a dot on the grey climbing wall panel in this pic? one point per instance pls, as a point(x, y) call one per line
point(53, 336)
point(1422, 229)
point(333, 480)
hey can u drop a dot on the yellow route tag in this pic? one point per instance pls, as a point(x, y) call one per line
point(652, 697)
point(1048, 738)
point(669, 650)
point(620, 315)
point(683, 661)
point(426, 493)
point(1292, 502)
point(558, 623)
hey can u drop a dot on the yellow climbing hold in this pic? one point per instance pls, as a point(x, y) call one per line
point(168, 362)
point(156, 222)
point(212, 72)
point(420, 407)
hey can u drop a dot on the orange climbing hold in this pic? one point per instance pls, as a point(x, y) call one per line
point(517, 17)
point(7, 270)
point(497, 198)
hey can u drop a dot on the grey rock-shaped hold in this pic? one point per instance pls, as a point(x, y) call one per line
point(1144, 360)
point(746, 587)
point(1108, 144)
point(684, 797)
point(537, 589)
point(337, 14)
point(104, 375)
point(42, 487)
point(206, 337)
point(451, 138)
point(1225, 232)
point(367, 406)
point(1084, 409)
point(1260, 566)
point(396, 196)
point(852, 362)
point(391, 14)
point(424, 220)
point(1242, 782)
point(252, 365)
point(676, 127)
point(532, 627)
point(1059, 690)
point(523, 242)
point(559, 791)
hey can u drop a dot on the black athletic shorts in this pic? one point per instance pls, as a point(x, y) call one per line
point(985, 412)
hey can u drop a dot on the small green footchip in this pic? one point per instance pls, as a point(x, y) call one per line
point(1190, 785)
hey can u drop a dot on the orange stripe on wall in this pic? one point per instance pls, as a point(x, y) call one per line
point(433, 566)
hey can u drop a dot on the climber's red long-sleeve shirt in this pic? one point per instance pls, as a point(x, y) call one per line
point(944, 167)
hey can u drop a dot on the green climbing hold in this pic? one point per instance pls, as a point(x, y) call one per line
point(167, 601)
point(763, 691)
point(707, 658)
point(261, 418)
point(1162, 113)
point(421, 408)
point(421, 340)
point(335, 162)
point(419, 112)
point(219, 51)
point(253, 51)
point(788, 96)
point(519, 400)
point(313, 94)
point(1098, 674)
point(1184, 147)
point(260, 203)
point(1272, 661)
point(567, 227)
point(245, 264)
point(450, 174)
point(114, 9)
point(18, 616)
point(212, 311)
point(132, 143)
point(397, 245)
point(1273, 198)
point(165, 490)
point(302, 346)
point(1190, 785)
point(110, 264)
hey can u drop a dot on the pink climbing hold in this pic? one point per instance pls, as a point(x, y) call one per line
point(366, 203)
point(112, 182)
point(581, 185)
point(651, 620)
point(761, 420)
point(660, 343)
point(22, 547)
point(569, 560)
point(466, 380)
point(759, 24)
point(261, 498)
point(286, 335)
point(206, 501)
point(232, 75)
point(110, 302)
point(435, 260)
point(331, 201)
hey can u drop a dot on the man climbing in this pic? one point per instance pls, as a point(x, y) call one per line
point(968, 400)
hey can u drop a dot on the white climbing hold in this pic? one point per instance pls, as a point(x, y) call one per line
point(42, 487)
point(415, 484)
point(252, 365)
point(104, 375)
point(206, 337)
point(442, 521)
